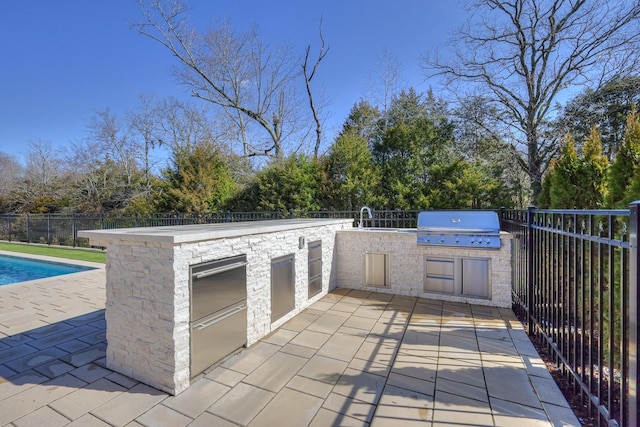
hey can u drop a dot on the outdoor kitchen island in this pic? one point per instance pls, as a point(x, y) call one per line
point(459, 256)
point(180, 298)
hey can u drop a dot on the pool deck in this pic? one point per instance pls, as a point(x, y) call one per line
point(352, 359)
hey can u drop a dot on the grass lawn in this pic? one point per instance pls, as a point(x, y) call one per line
point(55, 251)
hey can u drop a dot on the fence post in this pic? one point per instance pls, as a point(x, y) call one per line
point(291, 213)
point(28, 230)
point(634, 281)
point(49, 228)
point(9, 226)
point(530, 270)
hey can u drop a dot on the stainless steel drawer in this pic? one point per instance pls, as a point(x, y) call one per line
point(217, 336)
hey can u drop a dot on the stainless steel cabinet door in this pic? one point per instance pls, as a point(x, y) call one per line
point(282, 286)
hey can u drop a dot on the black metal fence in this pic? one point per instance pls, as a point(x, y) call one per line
point(575, 282)
point(62, 229)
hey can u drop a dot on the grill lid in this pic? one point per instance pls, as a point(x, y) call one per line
point(459, 228)
point(459, 221)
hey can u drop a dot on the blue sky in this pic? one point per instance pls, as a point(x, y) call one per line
point(64, 60)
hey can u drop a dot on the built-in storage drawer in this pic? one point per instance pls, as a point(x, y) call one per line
point(376, 269)
point(216, 337)
point(466, 276)
point(315, 268)
point(282, 286)
point(440, 275)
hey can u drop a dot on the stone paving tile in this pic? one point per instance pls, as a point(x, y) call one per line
point(90, 372)
point(280, 337)
point(511, 385)
point(345, 306)
point(44, 416)
point(85, 356)
point(298, 350)
point(209, 420)
point(328, 323)
point(122, 380)
point(370, 367)
point(510, 414)
point(548, 391)
point(276, 371)
point(35, 359)
point(197, 398)
point(54, 369)
point(323, 369)
point(289, 408)
point(130, 405)
point(16, 352)
point(300, 322)
point(311, 339)
point(321, 305)
point(458, 410)
point(357, 322)
point(400, 407)
point(161, 415)
point(413, 384)
point(225, 376)
point(461, 389)
point(461, 371)
point(6, 372)
point(360, 385)
point(350, 407)
point(34, 398)
point(62, 336)
point(251, 358)
point(88, 420)
point(561, 416)
point(80, 402)
point(73, 346)
point(325, 418)
point(312, 387)
point(341, 347)
point(242, 403)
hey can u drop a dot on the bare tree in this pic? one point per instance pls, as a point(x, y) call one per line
point(254, 84)
point(386, 80)
point(9, 180)
point(522, 54)
point(309, 73)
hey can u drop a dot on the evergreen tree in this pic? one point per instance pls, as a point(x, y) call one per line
point(563, 191)
point(198, 180)
point(625, 164)
point(352, 176)
point(592, 173)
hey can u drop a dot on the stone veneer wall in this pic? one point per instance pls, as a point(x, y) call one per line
point(407, 262)
point(148, 305)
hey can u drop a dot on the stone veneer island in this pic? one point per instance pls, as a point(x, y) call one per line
point(148, 305)
point(148, 282)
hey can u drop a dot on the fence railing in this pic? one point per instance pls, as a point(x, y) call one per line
point(62, 229)
point(573, 281)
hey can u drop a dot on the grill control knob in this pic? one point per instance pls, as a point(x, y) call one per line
point(442, 240)
point(471, 241)
point(487, 241)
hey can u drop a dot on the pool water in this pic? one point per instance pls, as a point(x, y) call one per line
point(15, 269)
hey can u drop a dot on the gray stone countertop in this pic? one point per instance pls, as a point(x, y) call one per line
point(201, 232)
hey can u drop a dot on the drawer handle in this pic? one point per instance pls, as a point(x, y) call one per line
point(221, 269)
point(221, 317)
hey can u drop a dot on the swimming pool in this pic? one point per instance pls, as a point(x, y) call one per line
point(15, 269)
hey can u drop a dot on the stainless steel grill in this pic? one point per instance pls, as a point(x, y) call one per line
point(477, 229)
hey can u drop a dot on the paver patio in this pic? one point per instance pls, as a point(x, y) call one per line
point(352, 359)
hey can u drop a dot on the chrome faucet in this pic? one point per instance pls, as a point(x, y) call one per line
point(364, 208)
